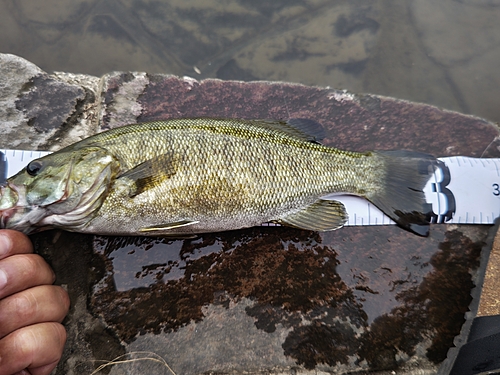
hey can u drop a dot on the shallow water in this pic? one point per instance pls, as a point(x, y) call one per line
point(444, 53)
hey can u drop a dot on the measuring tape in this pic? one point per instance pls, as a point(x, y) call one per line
point(12, 161)
point(462, 190)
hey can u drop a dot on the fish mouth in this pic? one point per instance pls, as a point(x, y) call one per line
point(6, 215)
point(9, 199)
point(8, 203)
point(13, 211)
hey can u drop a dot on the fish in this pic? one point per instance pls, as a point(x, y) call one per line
point(180, 177)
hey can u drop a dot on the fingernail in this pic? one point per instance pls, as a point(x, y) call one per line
point(5, 245)
point(3, 279)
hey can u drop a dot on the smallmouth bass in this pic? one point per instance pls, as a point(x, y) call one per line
point(185, 176)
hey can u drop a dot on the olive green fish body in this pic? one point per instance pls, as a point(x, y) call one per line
point(185, 176)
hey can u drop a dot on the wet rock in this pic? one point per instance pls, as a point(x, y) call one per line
point(360, 298)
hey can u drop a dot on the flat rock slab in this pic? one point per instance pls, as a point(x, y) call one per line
point(272, 300)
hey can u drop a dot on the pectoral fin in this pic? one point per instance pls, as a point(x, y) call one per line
point(322, 215)
point(151, 173)
point(168, 226)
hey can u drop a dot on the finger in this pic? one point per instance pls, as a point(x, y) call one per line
point(43, 370)
point(33, 347)
point(14, 242)
point(44, 303)
point(23, 271)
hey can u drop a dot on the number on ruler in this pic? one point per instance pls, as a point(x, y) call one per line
point(496, 190)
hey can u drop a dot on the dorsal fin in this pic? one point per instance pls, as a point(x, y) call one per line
point(299, 128)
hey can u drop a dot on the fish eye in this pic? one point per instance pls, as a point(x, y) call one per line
point(34, 167)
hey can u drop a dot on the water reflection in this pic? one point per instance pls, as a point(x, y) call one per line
point(141, 262)
point(282, 268)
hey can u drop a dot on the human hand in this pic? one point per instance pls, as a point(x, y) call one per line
point(31, 309)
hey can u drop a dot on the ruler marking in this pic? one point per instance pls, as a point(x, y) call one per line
point(496, 166)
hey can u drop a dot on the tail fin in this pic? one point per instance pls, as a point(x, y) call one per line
point(402, 197)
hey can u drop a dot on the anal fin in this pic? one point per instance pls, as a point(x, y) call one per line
point(322, 215)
